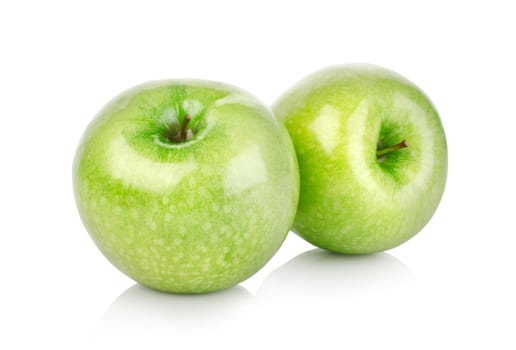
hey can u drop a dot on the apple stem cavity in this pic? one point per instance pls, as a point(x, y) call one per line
point(384, 151)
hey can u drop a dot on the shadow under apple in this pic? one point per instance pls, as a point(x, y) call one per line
point(140, 310)
point(319, 275)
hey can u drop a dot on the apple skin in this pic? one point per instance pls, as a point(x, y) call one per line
point(194, 216)
point(350, 201)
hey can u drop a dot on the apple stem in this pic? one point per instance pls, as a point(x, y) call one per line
point(384, 151)
point(183, 135)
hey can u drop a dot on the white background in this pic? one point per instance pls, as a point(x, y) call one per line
point(452, 286)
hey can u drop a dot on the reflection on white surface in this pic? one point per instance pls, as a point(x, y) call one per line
point(335, 296)
point(142, 310)
point(290, 298)
point(319, 275)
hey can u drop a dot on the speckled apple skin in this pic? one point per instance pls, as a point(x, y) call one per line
point(191, 217)
point(350, 202)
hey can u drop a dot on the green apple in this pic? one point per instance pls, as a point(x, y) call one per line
point(186, 186)
point(372, 157)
